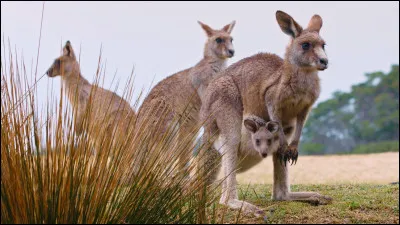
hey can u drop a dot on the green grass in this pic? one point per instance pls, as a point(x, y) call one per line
point(357, 203)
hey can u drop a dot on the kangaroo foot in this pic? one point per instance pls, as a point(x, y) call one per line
point(246, 207)
point(312, 198)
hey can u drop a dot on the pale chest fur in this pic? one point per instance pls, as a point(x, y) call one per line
point(297, 93)
point(77, 92)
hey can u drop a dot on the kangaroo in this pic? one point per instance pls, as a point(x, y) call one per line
point(258, 135)
point(170, 98)
point(106, 106)
point(274, 89)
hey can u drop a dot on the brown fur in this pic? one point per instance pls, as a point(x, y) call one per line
point(264, 85)
point(179, 95)
point(106, 106)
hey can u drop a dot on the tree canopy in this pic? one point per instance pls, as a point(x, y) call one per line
point(369, 113)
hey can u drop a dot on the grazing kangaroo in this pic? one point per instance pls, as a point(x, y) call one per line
point(107, 108)
point(180, 94)
point(274, 89)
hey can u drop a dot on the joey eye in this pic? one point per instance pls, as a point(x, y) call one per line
point(269, 141)
point(231, 39)
point(219, 40)
point(258, 142)
point(305, 46)
point(323, 46)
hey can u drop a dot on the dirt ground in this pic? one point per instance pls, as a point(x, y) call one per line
point(381, 168)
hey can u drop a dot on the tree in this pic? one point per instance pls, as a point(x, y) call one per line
point(369, 113)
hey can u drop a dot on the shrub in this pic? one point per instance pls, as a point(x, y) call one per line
point(376, 147)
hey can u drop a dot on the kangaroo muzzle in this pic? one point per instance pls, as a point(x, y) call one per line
point(49, 72)
point(231, 53)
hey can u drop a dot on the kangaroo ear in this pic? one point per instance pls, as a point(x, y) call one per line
point(273, 126)
point(315, 23)
point(228, 28)
point(288, 25)
point(250, 125)
point(68, 51)
point(209, 31)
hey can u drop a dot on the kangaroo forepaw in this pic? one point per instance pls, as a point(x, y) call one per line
point(292, 154)
point(282, 153)
point(288, 153)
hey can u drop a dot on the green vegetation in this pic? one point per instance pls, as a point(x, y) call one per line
point(358, 203)
point(384, 146)
point(365, 120)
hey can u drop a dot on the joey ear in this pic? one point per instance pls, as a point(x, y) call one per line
point(209, 31)
point(315, 23)
point(68, 51)
point(273, 126)
point(250, 125)
point(288, 25)
point(228, 28)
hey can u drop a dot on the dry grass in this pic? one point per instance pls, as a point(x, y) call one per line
point(381, 168)
point(49, 173)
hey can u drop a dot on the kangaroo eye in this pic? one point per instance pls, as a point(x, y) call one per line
point(305, 46)
point(269, 141)
point(257, 142)
point(231, 39)
point(218, 40)
point(323, 46)
point(57, 62)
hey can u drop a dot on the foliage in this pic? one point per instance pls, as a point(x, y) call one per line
point(384, 146)
point(368, 113)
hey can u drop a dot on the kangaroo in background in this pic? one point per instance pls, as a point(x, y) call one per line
point(180, 94)
point(106, 106)
point(274, 89)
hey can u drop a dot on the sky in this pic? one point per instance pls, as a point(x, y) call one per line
point(158, 39)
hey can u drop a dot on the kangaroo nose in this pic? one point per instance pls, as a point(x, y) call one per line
point(231, 52)
point(48, 72)
point(264, 155)
point(323, 61)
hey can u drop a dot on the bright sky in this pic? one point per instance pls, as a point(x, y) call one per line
point(161, 38)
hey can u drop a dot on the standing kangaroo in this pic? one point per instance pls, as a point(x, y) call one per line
point(271, 88)
point(107, 108)
point(180, 94)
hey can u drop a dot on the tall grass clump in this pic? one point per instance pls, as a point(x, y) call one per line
point(52, 174)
